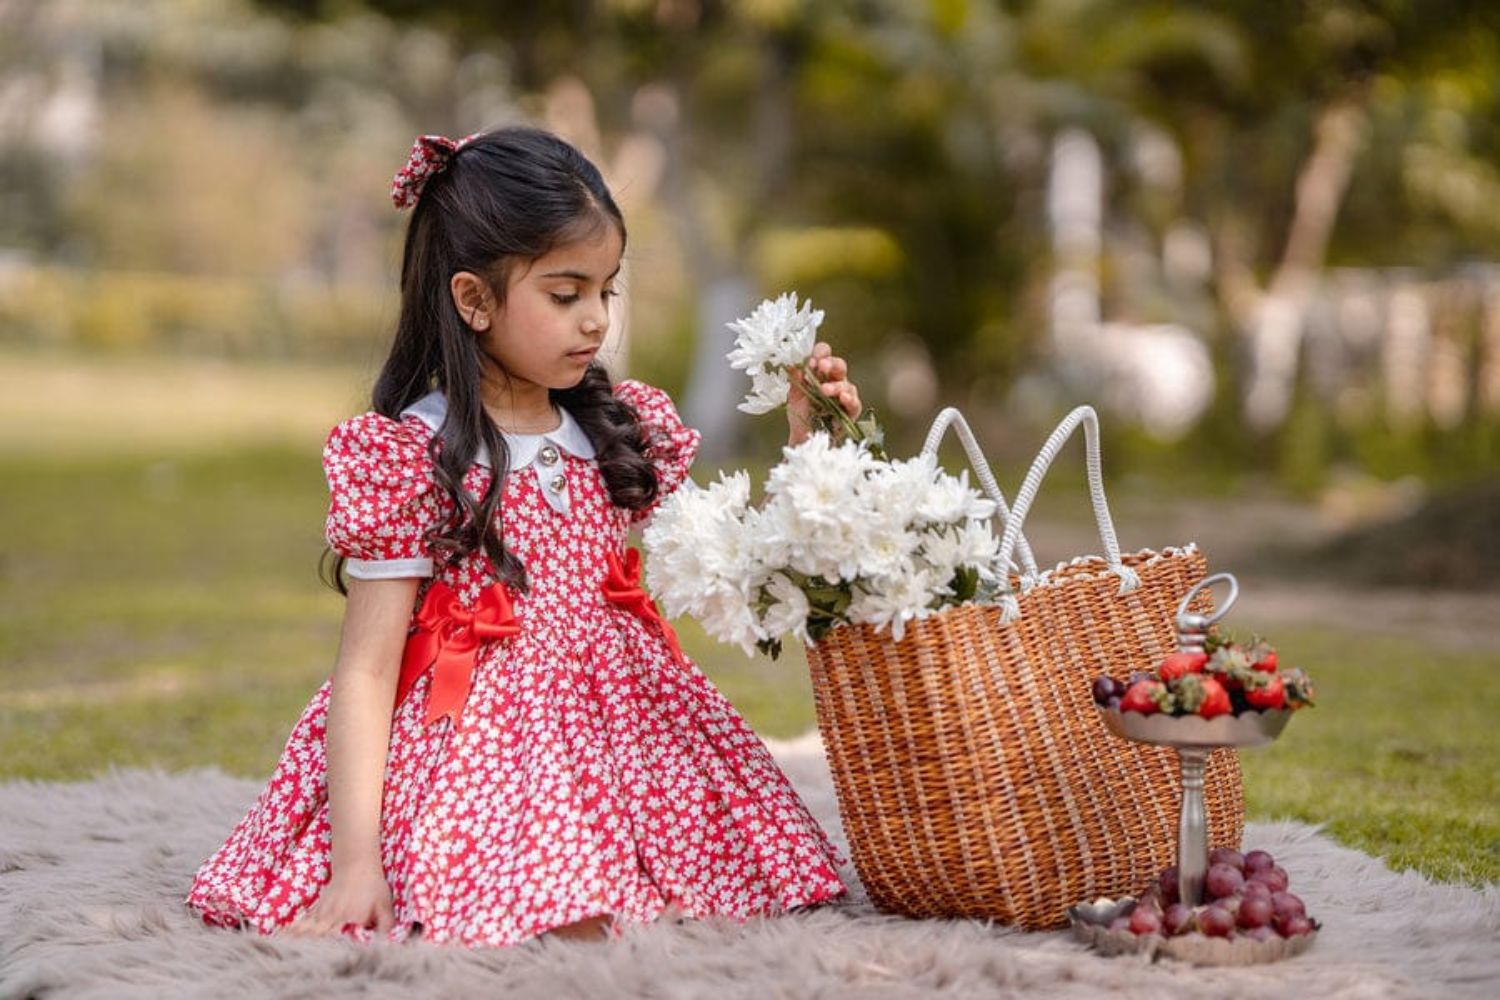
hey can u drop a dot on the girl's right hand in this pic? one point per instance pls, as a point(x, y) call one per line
point(361, 897)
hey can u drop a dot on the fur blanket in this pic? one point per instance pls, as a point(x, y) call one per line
point(92, 873)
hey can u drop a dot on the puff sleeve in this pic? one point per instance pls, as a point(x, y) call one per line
point(670, 445)
point(383, 498)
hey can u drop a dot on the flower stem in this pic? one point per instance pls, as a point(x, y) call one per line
point(830, 407)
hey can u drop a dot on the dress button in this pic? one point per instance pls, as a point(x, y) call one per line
point(548, 455)
point(558, 484)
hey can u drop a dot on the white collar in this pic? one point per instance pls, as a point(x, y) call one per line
point(432, 408)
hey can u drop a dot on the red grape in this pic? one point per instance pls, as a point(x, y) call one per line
point(1286, 903)
point(1254, 887)
point(1227, 856)
point(1178, 919)
point(1104, 689)
point(1257, 861)
point(1216, 921)
point(1292, 926)
point(1167, 883)
point(1223, 881)
point(1145, 920)
point(1254, 912)
point(1275, 877)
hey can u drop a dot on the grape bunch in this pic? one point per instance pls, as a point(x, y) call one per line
point(1245, 896)
point(1224, 678)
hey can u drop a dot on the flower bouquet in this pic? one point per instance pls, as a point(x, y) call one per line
point(843, 535)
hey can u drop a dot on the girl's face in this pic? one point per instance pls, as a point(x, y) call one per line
point(555, 315)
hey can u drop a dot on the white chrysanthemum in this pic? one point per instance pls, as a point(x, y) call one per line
point(727, 616)
point(778, 536)
point(789, 612)
point(699, 544)
point(768, 390)
point(888, 552)
point(971, 544)
point(821, 481)
point(893, 601)
point(893, 491)
point(948, 500)
point(778, 333)
point(979, 547)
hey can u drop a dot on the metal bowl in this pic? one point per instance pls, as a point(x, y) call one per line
point(1248, 729)
point(1195, 948)
point(1101, 911)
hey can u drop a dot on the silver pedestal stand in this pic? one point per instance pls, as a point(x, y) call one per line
point(1194, 738)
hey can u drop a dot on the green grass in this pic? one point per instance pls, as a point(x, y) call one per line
point(1400, 757)
point(167, 610)
point(164, 609)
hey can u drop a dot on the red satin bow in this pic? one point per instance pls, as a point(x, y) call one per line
point(447, 639)
point(623, 587)
point(429, 155)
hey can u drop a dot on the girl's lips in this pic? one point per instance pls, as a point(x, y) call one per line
point(587, 354)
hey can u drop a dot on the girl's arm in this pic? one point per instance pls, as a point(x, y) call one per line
point(358, 735)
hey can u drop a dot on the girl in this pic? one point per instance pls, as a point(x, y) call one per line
point(512, 742)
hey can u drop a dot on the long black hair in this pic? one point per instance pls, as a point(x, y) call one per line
point(505, 199)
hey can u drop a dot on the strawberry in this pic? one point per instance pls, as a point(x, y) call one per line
point(1180, 664)
point(1267, 662)
point(1271, 694)
point(1215, 699)
point(1142, 697)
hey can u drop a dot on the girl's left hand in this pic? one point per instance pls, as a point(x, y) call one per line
point(833, 378)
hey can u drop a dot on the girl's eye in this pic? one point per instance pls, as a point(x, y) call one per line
point(564, 300)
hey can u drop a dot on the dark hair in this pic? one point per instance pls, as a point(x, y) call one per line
point(506, 198)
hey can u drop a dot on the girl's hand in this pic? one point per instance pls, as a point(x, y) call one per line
point(833, 378)
point(361, 897)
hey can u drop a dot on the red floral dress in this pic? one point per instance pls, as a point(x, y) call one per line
point(553, 756)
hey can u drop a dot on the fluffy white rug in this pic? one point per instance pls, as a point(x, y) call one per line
point(91, 875)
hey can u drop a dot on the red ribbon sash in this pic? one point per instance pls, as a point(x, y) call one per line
point(447, 640)
point(622, 586)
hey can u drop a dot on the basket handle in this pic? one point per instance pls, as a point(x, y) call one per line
point(1085, 415)
point(951, 417)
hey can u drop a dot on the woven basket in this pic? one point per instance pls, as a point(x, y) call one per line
point(973, 775)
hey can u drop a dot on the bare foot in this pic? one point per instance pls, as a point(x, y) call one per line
point(592, 929)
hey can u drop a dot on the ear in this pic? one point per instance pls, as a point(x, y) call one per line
point(473, 300)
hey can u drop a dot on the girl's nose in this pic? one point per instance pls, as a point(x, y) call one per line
point(596, 320)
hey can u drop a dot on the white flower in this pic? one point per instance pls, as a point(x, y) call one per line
point(821, 481)
point(789, 613)
point(894, 601)
point(728, 617)
point(947, 500)
point(699, 541)
point(768, 390)
point(950, 547)
point(778, 333)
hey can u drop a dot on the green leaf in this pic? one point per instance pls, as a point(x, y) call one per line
point(965, 584)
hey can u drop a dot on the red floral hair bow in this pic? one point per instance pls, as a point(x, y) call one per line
point(429, 155)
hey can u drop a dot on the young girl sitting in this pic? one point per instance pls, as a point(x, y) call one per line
point(512, 743)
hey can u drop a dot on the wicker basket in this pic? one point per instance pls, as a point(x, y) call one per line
point(973, 776)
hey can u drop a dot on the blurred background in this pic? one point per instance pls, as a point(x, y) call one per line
point(1263, 238)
